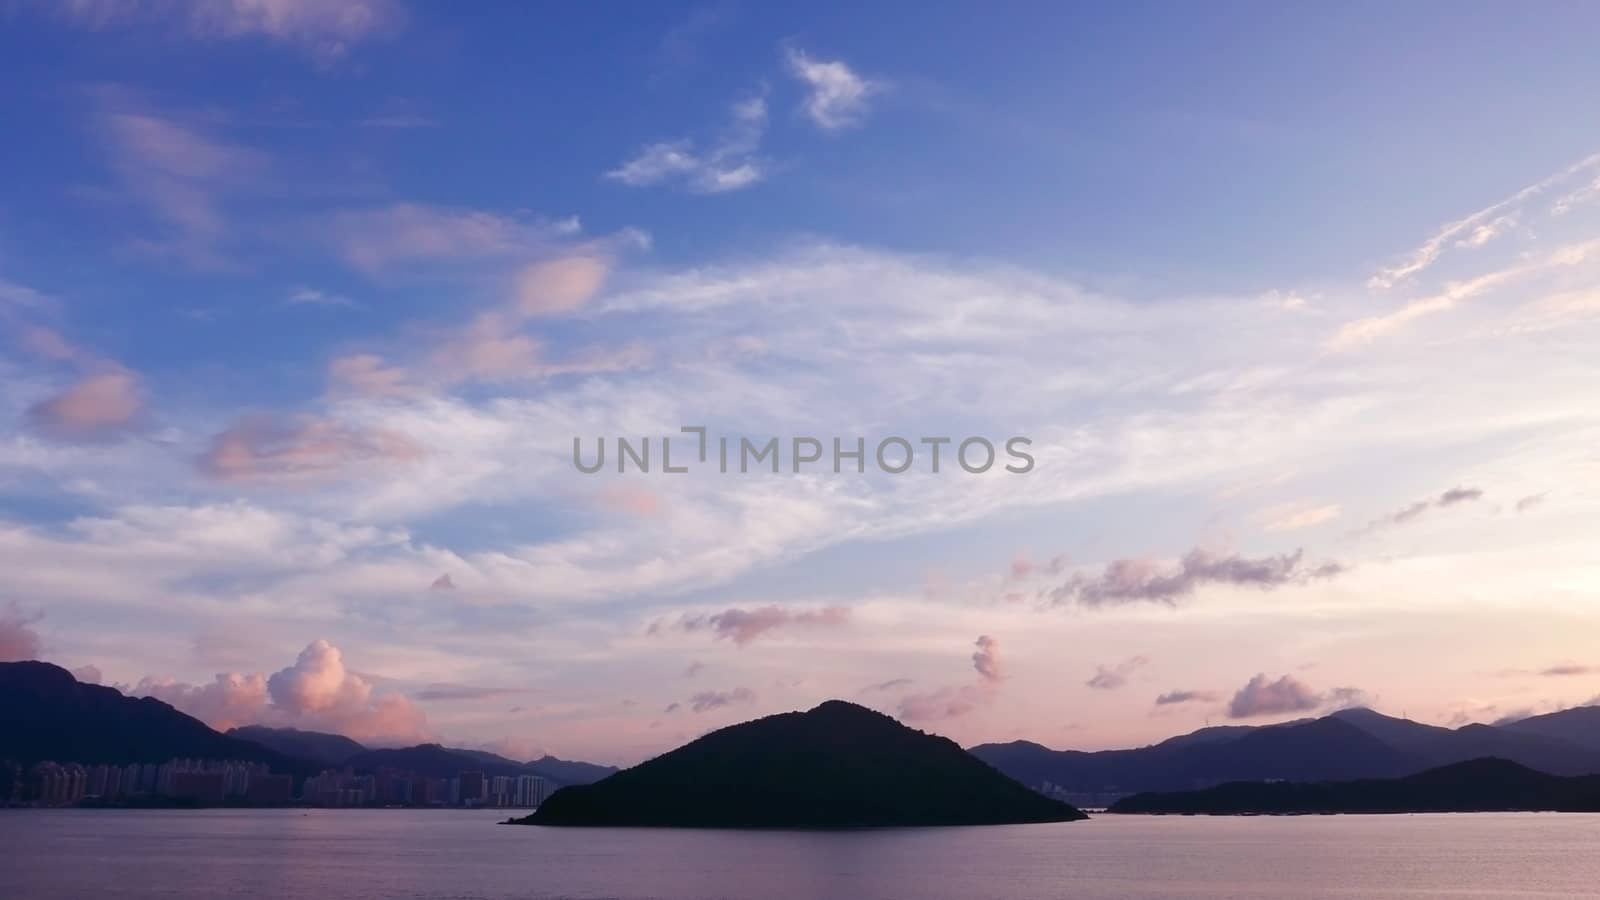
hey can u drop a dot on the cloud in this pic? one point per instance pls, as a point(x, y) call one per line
point(263, 448)
point(1363, 331)
point(1109, 678)
point(88, 674)
point(228, 701)
point(1567, 668)
point(318, 688)
point(1411, 511)
point(958, 700)
point(378, 239)
point(1476, 229)
point(96, 406)
point(837, 96)
point(1303, 517)
point(181, 173)
point(1261, 697)
point(729, 165)
point(326, 31)
point(986, 659)
point(306, 296)
point(18, 640)
point(705, 701)
point(1530, 502)
point(370, 374)
point(1182, 696)
point(890, 685)
point(1143, 580)
point(560, 286)
point(745, 625)
point(443, 583)
point(443, 691)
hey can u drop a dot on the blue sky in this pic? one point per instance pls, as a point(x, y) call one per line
point(304, 303)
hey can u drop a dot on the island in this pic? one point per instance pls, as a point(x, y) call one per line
point(838, 765)
point(1479, 785)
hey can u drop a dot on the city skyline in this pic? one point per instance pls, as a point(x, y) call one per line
point(302, 313)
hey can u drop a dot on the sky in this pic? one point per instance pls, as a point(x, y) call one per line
point(303, 307)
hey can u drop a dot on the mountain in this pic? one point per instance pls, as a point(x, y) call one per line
point(1480, 785)
point(1353, 743)
point(838, 765)
point(435, 761)
point(432, 761)
point(1321, 748)
point(568, 771)
point(46, 714)
point(1579, 725)
point(312, 746)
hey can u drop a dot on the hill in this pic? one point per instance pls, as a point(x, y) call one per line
point(1579, 725)
point(1354, 743)
point(567, 771)
point(436, 761)
point(46, 714)
point(1481, 785)
point(313, 746)
point(838, 765)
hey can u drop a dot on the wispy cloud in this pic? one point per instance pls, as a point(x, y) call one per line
point(958, 700)
point(1109, 678)
point(1149, 581)
point(1171, 698)
point(745, 625)
point(837, 96)
point(730, 164)
point(324, 30)
point(1412, 511)
point(1476, 229)
point(264, 448)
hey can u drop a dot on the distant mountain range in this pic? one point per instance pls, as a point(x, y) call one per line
point(1350, 744)
point(838, 765)
point(1480, 785)
point(47, 714)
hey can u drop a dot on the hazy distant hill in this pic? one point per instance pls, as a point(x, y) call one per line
point(1356, 743)
point(1579, 725)
point(568, 771)
point(46, 714)
point(436, 761)
point(836, 765)
point(313, 746)
point(1480, 785)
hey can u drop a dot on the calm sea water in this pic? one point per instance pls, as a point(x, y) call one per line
point(351, 854)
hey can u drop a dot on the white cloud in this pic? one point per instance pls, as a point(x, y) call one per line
point(729, 164)
point(837, 96)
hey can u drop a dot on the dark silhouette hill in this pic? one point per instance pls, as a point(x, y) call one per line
point(1480, 785)
point(313, 746)
point(838, 765)
point(1354, 743)
point(46, 714)
point(567, 771)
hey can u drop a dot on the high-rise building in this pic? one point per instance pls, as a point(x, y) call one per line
point(473, 788)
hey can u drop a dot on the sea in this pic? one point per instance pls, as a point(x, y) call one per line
point(72, 854)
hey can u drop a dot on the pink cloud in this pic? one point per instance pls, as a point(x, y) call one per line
point(18, 640)
point(317, 692)
point(745, 625)
point(631, 499)
point(560, 285)
point(95, 406)
point(263, 448)
point(957, 700)
point(986, 659)
point(368, 373)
